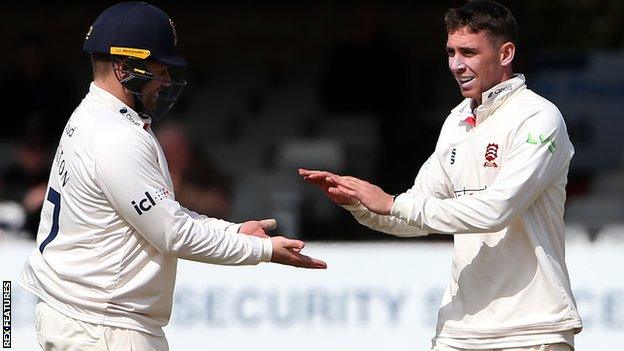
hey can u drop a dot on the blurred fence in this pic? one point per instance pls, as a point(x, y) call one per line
point(373, 296)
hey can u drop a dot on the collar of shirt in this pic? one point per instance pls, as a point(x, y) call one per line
point(491, 99)
point(117, 106)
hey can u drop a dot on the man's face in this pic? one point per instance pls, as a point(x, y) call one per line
point(474, 62)
point(153, 88)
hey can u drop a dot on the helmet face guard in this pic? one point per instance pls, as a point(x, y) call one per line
point(132, 73)
point(132, 33)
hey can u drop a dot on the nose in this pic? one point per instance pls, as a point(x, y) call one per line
point(166, 79)
point(457, 63)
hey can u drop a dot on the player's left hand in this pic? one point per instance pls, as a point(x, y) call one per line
point(370, 195)
point(258, 228)
point(288, 251)
point(321, 179)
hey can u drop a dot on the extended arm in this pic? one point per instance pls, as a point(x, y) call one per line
point(131, 178)
point(429, 181)
point(528, 168)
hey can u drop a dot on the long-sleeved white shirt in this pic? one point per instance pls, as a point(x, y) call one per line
point(111, 231)
point(501, 184)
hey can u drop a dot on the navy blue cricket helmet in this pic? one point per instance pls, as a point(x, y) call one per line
point(134, 33)
point(135, 29)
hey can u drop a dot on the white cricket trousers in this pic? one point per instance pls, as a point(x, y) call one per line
point(551, 347)
point(57, 332)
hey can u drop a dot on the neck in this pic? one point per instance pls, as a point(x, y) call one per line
point(506, 76)
point(113, 86)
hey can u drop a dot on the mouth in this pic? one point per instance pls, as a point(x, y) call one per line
point(464, 80)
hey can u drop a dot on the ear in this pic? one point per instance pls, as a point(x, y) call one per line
point(120, 69)
point(507, 52)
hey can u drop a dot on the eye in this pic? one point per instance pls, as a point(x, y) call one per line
point(468, 52)
point(450, 52)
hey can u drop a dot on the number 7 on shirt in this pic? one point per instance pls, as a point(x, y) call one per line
point(55, 198)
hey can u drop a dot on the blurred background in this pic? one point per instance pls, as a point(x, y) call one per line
point(354, 87)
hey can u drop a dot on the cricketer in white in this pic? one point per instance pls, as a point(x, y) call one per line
point(503, 186)
point(519, 287)
point(496, 181)
point(114, 260)
point(111, 231)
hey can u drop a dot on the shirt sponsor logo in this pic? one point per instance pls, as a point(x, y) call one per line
point(550, 141)
point(500, 90)
point(491, 153)
point(132, 120)
point(144, 204)
point(149, 201)
point(453, 153)
point(124, 111)
point(162, 194)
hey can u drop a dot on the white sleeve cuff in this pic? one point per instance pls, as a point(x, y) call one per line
point(267, 250)
point(403, 208)
point(355, 208)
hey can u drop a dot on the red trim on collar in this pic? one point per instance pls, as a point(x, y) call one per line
point(146, 126)
point(471, 120)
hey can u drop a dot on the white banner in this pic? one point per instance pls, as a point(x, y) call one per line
point(374, 296)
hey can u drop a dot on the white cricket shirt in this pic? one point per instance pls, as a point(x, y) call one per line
point(111, 231)
point(501, 186)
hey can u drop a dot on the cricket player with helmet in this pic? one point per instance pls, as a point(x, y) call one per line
point(111, 231)
point(496, 181)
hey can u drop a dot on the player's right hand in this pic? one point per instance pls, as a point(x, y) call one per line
point(323, 180)
point(288, 251)
point(258, 228)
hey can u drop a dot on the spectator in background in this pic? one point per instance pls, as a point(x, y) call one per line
point(37, 94)
point(197, 183)
point(25, 181)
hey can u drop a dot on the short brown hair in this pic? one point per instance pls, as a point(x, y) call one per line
point(484, 16)
point(101, 63)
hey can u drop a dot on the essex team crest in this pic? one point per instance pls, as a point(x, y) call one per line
point(491, 153)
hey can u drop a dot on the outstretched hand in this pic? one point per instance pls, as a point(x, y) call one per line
point(285, 251)
point(288, 251)
point(322, 179)
point(370, 195)
point(258, 228)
